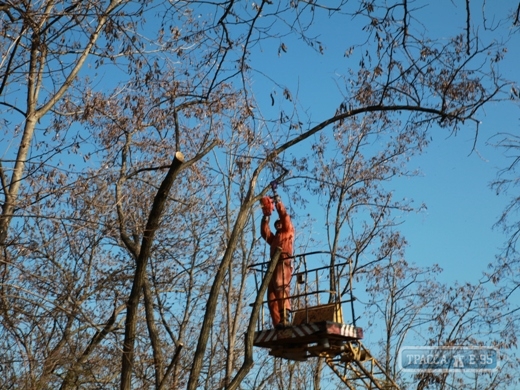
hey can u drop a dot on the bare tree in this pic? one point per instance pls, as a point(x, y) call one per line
point(34, 51)
point(473, 315)
point(401, 299)
point(140, 146)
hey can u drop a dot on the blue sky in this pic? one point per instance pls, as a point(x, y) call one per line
point(456, 229)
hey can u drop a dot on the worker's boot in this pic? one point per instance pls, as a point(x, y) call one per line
point(285, 319)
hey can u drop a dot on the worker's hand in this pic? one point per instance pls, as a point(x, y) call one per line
point(267, 206)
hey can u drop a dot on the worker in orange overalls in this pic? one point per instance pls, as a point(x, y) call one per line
point(279, 289)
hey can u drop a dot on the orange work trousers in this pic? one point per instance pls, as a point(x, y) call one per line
point(279, 290)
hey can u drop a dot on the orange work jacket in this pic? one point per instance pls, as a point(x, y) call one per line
point(284, 238)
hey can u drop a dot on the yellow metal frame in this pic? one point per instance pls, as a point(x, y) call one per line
point(326, 312)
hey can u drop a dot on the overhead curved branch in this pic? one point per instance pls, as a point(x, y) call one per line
point(442, 114)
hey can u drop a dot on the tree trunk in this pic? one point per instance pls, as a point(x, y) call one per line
point(140, 271)
point(248, 356)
